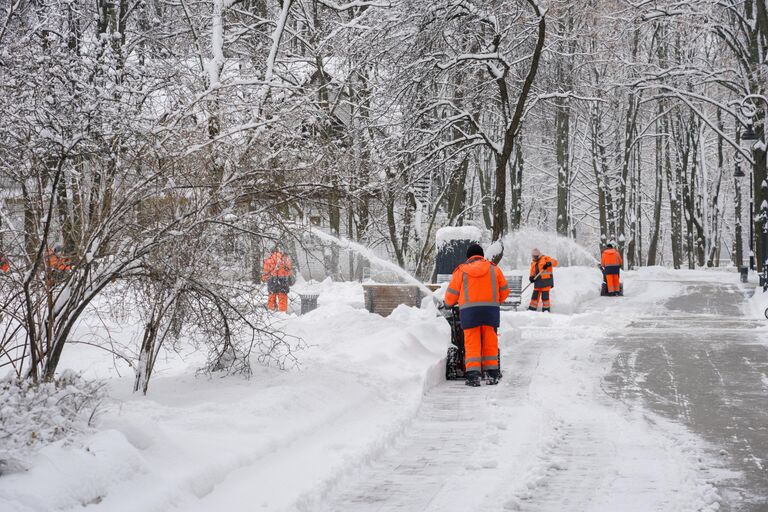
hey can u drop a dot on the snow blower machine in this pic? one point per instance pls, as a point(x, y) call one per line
point(454, 362)
point(604, 286)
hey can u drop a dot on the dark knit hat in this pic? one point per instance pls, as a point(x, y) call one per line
point(474, 250)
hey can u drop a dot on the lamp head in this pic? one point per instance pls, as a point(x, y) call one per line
point(749, 137)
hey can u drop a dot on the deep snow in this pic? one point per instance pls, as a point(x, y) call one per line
point(300, 439)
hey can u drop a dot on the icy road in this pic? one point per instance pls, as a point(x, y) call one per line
point(651, 402)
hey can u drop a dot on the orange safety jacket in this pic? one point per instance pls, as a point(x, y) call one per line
point(546, 279)
point(57, 262)
point(611, 262)
point(277, 265)
point(478, 287)
point(4, 266)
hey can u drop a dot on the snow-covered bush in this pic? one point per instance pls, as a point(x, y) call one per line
point(33, 415)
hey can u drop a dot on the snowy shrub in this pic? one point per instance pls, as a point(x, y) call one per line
point(33, 415)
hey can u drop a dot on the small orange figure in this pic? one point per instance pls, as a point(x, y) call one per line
point(542, 279)
point(57, 262)
point(611, 263)
point(278, 274)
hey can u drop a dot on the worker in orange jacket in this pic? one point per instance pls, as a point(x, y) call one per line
point(611, 262)
point(278, 274)
point(542, 279)
point(56, 261)
point(4, 265)
point(478, 287)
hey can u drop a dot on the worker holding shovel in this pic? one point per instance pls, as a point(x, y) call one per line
point(542, 279)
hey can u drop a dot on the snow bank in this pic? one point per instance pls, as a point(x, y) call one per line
point(449, 233)
point(265, 443)
point(349, 293)
point(758, 304)
point(34, 416)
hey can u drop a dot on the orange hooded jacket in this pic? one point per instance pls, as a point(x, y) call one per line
point(277, 265)
point(478, 287)
point(611, 261)
point(546, 280)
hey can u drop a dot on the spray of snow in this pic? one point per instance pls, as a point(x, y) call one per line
point(366, 253)
point(518, 246)
point(493, 250)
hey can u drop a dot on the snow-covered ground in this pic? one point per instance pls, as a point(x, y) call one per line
point(370, 402)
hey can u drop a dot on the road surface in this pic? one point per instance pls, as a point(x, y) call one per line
point(668, 413)
point(702, 364)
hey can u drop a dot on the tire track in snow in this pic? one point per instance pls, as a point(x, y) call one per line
point(452, 444)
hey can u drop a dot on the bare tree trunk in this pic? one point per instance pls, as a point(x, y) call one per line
point(657, 196)
point(485, 195)
point(562, 154)
point(597, 167)
point(516, 187)
point(676, 228)
point(513, 128)
point(334, 223)
point(457, 197)
point(564, 78)
point(392, 228)
point(713, 259)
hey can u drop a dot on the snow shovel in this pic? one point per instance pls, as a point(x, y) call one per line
point(534, 280)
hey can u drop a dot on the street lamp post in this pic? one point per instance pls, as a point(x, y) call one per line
point(749, 139)
point(738, 174)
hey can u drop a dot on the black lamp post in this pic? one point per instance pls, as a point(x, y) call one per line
point(749, 139)
point(738, 215)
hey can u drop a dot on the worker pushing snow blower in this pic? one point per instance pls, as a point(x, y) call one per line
point(610, 265)
point(478, 287)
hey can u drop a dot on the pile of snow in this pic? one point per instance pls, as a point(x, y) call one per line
point(450, 233)
point(349, 293)
point(35, 416)
point(573, 287)
point(758, 304)
point(200, 443)
point(493, 250)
